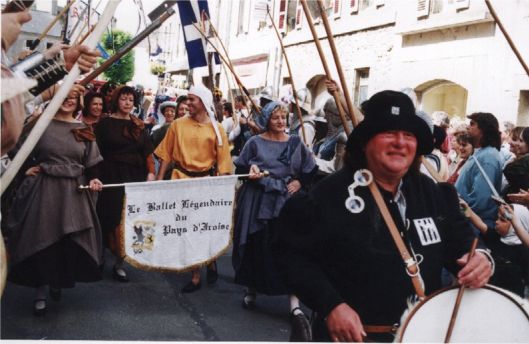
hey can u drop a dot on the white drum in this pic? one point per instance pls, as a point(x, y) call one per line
point(486, 315)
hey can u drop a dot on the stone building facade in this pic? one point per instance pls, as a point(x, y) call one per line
point(450, 52)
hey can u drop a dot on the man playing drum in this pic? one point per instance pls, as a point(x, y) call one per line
point(341, 260)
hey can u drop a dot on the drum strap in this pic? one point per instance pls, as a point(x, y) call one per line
point(412, 267)
point(381, 328)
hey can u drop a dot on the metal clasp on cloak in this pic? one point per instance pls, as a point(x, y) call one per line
point(355, 204)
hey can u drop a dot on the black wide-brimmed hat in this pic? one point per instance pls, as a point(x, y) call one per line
point(386, 111)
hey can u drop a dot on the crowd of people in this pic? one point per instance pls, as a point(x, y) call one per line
point(309, 228)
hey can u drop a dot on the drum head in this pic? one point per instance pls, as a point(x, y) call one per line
point(488, 314)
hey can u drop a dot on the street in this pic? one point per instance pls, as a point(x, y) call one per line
point(149, 307)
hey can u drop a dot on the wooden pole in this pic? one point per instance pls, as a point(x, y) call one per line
point(120, 185)
point(225, 60)
point(509, 40)
point(51, 110)
point(330, 38)
point(36, 42)
point(335, 94)
point(298, 108)
point(242, 89)
point(85, 35)
point(459, 297)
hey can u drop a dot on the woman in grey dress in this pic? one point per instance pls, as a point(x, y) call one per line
point(54, 234)
point(259, 201)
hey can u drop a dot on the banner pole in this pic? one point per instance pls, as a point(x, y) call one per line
point(106, 186)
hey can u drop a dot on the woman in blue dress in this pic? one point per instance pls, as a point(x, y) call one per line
point(260, 199)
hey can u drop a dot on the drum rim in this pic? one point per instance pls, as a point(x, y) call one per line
point(402, 328)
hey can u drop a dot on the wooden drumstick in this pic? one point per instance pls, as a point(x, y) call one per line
point(459, 296)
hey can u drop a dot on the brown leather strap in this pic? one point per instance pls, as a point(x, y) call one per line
point(431, 170)
point(412, 268)
point(380, 328)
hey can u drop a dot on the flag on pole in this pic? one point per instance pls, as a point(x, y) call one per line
point(190, 13)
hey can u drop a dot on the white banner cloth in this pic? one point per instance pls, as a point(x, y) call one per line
point(177, 224)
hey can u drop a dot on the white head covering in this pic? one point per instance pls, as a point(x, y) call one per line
point(207, 99)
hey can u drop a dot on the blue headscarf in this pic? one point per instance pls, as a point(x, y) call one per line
point(266, 113)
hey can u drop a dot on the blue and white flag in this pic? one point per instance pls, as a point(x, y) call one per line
point(190, 13)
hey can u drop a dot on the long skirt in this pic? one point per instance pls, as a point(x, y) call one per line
point(256, 268)
point(59, 265)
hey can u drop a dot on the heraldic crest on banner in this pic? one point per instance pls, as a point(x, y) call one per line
point(143, 237)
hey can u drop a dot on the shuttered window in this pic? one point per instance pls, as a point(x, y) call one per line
point(353, 5)
point(423, 7)
point(282, 20)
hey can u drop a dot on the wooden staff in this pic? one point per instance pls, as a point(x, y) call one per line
point(36, 42)
point(224, 59)
point(242, 89)
point(127, 47)
point(80, 41)
point(298, 109)
point(51, 110)
point(80, 33)
point(459, 296)
point(335, 94)
point(509, 40)
point(334, 51)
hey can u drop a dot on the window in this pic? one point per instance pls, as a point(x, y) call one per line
point(432, 7)
point(243, 23)
point(356, 6)
point(299, 15)
point(291, 15)
point(462, 4)
point(282, 22)
point(423, 8)
point(260, 13)
point(364, 4)
point(353, 5)
point(361, 85)
point(337, 9)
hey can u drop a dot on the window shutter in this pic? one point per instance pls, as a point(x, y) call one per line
point(423, 8)
point(337, 9)
point(353, 4)
point(299, 15)
point(282, 20)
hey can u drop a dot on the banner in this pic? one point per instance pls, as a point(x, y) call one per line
point(191, 13)
point(179, 224)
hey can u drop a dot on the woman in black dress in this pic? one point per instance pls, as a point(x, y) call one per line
point(127, 152)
